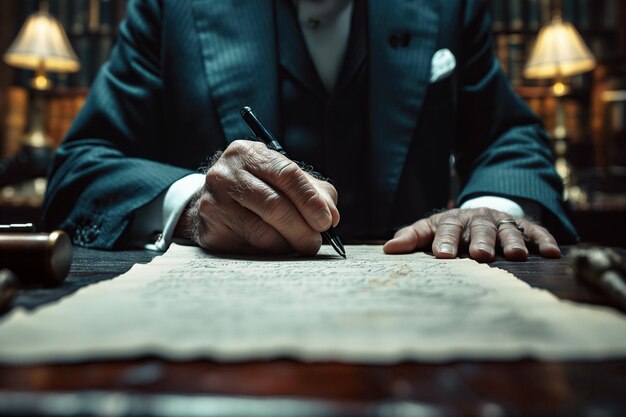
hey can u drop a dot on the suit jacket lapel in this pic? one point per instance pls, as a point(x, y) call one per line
point(238, 42)
point(294, 55)
point(399, 78)
point(356, 51)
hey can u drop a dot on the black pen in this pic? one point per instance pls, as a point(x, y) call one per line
point(272, 143)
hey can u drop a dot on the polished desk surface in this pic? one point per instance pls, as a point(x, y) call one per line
point(487, 389)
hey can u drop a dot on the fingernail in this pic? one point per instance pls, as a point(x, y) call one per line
point(485, 248)
point(324, 219)
point(550, 247)
point(446, 248)
point(338, 220)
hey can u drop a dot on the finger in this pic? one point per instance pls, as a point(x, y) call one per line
point(548, 248)
point(330, 195)
point(232, 228)
point(449, 230)
point(287, 178)
point(417, 236)
point(256, 232)
point(278, 212)
point(512, 242)
point(483, 232)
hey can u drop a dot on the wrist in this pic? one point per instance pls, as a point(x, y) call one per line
point(189, 221)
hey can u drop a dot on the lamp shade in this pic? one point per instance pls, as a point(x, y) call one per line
point(42, 44)
point(559, 51)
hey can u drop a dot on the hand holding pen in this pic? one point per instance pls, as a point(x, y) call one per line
point(271, 142)
point(256, 200)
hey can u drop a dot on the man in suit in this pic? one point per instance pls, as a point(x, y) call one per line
point(377, 95)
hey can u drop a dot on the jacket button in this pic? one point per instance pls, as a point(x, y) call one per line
point(90, 234)
point(400, 40)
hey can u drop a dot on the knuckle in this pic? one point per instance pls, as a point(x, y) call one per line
point(291, 179)
point(455, 212)
point(218, 174)
point(446, 238)
point(484, 223)
point(447, 234)
point(281, 218)
point(332, 191)
point(309, 194)
point(483, 240)
point(273, 209)
point(233, 149)
point(271, 203)
point(237, 147)
point(483, 212)
point(246, 153)
point(451, 222)
point(422, 226)
point(287, 172)
point(311, 198)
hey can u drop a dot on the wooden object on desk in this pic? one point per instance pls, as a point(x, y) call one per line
point(460, 388)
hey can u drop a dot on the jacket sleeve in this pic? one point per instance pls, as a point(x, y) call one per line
point(501, 147)
point(108, 165)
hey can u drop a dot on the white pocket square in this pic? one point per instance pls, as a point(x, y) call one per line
point(443, 64)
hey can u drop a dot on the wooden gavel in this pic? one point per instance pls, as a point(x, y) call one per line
point(31, 259)
point(37, 258)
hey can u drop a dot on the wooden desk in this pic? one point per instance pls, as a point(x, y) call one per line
point(133, 387)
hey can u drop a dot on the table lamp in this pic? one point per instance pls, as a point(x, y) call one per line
point(559, 52)
point(41, 45)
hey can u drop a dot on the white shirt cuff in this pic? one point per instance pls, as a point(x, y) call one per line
point(154, 224)
point(496, 203)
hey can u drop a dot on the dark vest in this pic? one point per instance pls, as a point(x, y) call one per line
point(328, 130)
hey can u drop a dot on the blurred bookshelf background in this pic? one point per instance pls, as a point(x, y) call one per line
point(585, 119)
point(91, 28)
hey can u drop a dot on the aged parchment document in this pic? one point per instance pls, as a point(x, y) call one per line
point(371, 308)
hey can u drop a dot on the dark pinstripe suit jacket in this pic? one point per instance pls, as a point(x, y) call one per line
point(181, 70)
